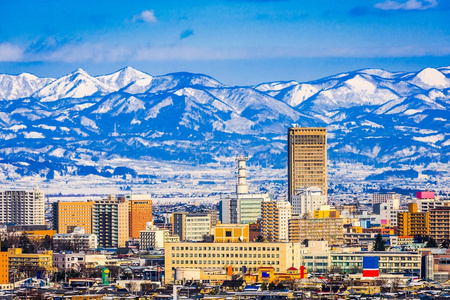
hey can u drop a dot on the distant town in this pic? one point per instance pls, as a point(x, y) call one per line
point(296, 245)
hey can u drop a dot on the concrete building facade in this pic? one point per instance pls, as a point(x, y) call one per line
point(307, 159)
point(413, 223)
point(275, 216)
point(140, 212)
point(68, 215)
point(307, 200)
point(191, 226)
point(22, 207)
point(110, 221)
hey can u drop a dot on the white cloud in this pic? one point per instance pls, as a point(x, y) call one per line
point(10, 52)
point(147, 16)
point(408, 5)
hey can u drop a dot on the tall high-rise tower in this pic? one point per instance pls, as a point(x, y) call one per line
point(242, 186)
point(307, 159)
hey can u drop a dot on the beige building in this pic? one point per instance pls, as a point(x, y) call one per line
point(275, 220)
point(230, 256)
point(110, 221)
point(307, 159)
point(391, 198)
point(191, 226)
point(325, 229)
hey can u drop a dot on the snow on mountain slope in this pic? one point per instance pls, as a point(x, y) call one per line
point(430, 78)
point(78, 84)
point(374, 117)
point(124, 77)
point(171, 81)
point(20, 86)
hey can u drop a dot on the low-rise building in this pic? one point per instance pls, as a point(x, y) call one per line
point(78, 240)
point(31, 263)
point(328, 229)
point(195, 255)
point(67, 260)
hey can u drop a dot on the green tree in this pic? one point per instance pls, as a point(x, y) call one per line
point(305, 242)
point(431, 243)
point(271, 286)
point(263, 286)
point(378, 245)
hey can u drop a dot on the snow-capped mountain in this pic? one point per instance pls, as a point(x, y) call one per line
point(76, 124)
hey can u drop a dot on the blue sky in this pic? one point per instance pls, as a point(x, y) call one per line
point(237, 42)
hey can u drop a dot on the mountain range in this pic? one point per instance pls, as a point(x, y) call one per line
point(78, 124)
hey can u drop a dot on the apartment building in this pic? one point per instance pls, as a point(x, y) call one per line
point(32, 262)
point(440, 224)
point(68, 215)
point(326, 229)
point(413, 223)
point(110, 221)
point(77, 240)
point(22, 207)
point(275, 217)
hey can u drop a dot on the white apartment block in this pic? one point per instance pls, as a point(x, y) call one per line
point(153, 237)
point(79, 240)
point(307, 200)
point(275, 220)
point(22, 207)
point(425, 205)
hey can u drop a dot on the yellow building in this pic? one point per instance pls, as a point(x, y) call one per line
point(325, 229)
point(231, 233)
point(39, 234)
point(32, 262)
point(307, 159)
point(413, 223)
point(4, 268)
point(326, 211)
point(230, 257)
point(68, 215)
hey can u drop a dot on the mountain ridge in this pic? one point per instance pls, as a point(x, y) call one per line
point(82, 122)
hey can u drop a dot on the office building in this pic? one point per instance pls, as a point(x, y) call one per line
point(413, 223)
point(242, 207)
point(191, 226)
point(391, 198)
point(140, 212)
point(307, 159)
point(307, 200)
point(275, 216)
point(22, 207)
point(110, 221)
point(68, 215)
point(233, 258)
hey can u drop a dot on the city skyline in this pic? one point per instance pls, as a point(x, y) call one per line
point(236, 42)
